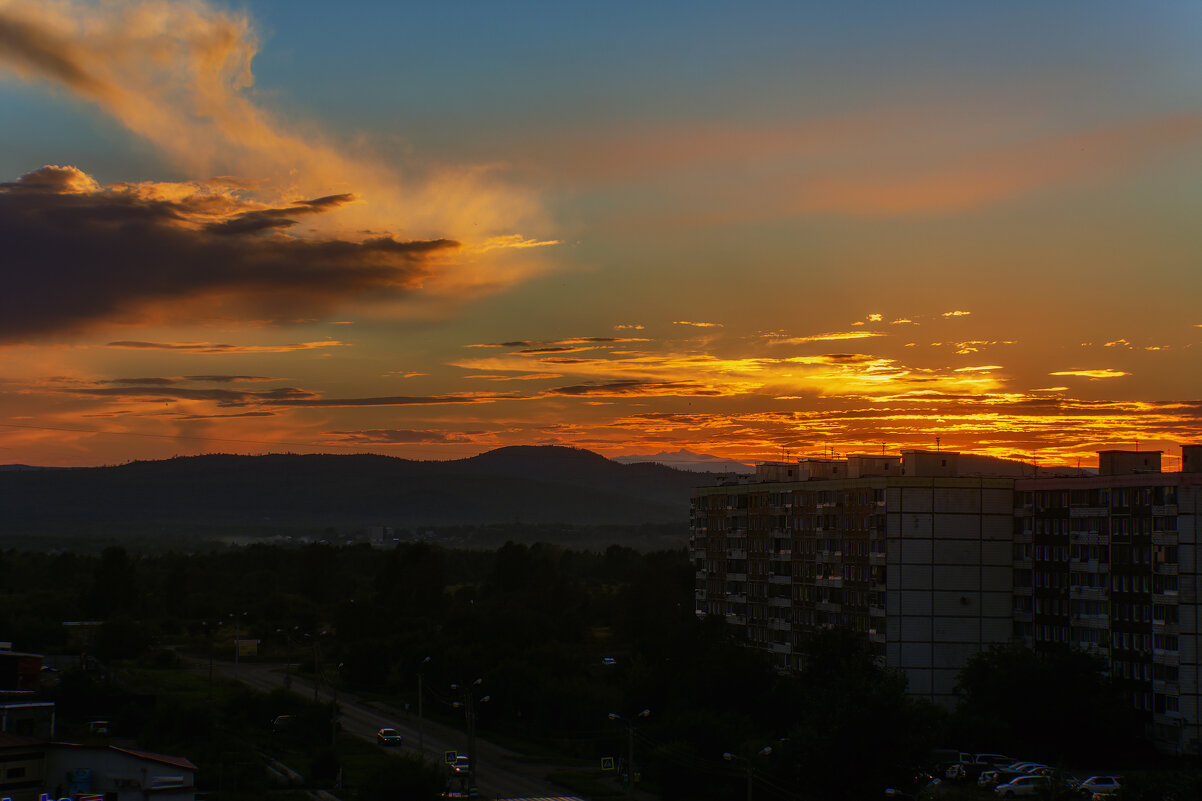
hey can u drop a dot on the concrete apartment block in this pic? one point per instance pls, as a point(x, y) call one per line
point(933, 567)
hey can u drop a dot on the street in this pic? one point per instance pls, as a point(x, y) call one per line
point(500, 773)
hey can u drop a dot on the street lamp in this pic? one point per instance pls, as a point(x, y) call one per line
point(421, 721)
point(630, 746)
point(728, 756)
point(237, 636)
point(468, 705)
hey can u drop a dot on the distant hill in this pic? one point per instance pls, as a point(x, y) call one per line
point(535, 485)
point(971, 464)
point(695, 462)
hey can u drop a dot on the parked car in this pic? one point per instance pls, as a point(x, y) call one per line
point(993, 760)
point(388, 737)
point(1099, 784)
point(1023, 785)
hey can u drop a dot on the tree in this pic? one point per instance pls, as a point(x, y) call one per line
point(1051, 704)
point(856, 730)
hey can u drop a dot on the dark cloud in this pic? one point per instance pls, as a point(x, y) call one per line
point(207, 379)
point(396, 400)
point(225, 416)
point(399, 436)
point(555, 344)
point(847, 358)
point(223, 397)
point(264, 219)
point(626, 388)
point(145, 381)
point(557, 349)
point(76, 255)
point(226, 379)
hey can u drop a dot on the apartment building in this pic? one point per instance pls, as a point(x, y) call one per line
point(1109, 563)
point(934, 566)
point(905, 550)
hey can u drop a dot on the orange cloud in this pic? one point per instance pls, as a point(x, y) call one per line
point(1107, 373)
point(831, 337)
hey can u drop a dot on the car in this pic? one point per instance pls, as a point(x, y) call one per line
point(387, 736)
point(462, 765)
point(282, 723)
point(993, 760)
point(1099, 784)
point(1024, 785)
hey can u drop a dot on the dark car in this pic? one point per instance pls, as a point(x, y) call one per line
point(388, 737)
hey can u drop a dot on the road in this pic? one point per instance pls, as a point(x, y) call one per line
point(500, 773)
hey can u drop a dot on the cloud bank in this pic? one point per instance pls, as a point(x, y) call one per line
point(77, 254)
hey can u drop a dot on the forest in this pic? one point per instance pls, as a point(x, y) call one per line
point(563, 638)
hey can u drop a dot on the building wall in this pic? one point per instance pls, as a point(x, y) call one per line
point(921, 566)
point(949, 580)
point(933, 568)
point(1109, 564)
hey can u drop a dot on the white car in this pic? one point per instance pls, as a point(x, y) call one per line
point(388, 737)
point(1098, 784)
point(1023, 785)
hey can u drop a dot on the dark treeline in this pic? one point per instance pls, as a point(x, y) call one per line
point(561, 639)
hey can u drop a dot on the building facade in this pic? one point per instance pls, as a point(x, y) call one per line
point(904, 550)
point(1109, 564)
point(933, 567)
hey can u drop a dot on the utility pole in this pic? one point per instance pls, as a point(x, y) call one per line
point(728, 756)
point(629, 746)
point(421, 721)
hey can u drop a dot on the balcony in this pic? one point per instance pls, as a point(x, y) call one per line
point(781, 648)
point(780, 578)
point(780, 625)
point(736, 598)
point(780, 602)
point(736, 620)
point(1089, 593)
point(736, 576)
point(736, 553)
point(1161, 656)
point(876, 559)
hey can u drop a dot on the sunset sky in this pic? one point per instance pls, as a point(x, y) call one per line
point(758, 230)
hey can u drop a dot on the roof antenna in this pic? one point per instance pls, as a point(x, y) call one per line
point(937, 443)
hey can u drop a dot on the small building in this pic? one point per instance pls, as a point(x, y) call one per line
point(27, 718)
point(31, 767)
point(19, 671)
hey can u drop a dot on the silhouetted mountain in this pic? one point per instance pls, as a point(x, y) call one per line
point(525, 484)
point(687, 460)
